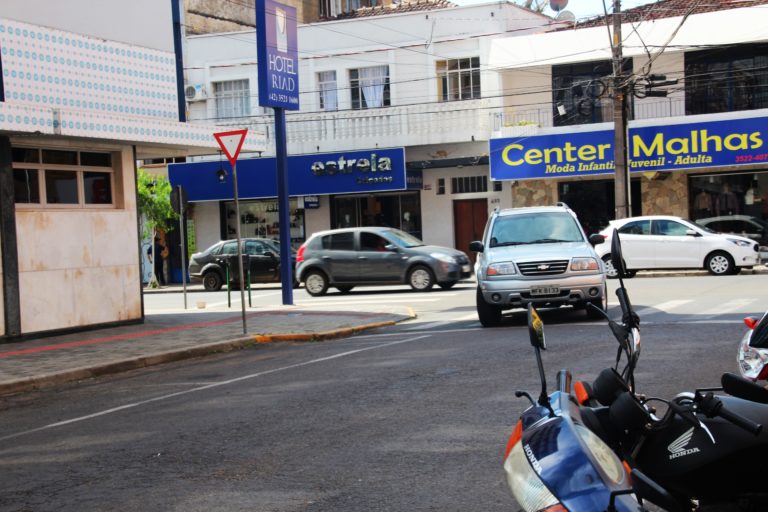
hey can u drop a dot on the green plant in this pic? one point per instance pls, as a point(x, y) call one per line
point(155, 210)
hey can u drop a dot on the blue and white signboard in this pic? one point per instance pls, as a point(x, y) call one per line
point(672, 147)
point(371, 171)
point(277, 54)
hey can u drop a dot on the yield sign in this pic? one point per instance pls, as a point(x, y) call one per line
point(231, 143)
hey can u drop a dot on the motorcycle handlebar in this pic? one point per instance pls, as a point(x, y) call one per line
point(713, 406)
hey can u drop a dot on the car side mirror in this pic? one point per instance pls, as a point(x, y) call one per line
point(596, 239)
point(391, 247)
point(476, 246)
point(692, 232)
point(271, 254)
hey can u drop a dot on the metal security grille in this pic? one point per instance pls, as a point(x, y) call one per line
point(543, 268)
point(468, 184)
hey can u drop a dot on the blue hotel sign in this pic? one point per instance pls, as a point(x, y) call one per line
point(277, 55)
point(652, 148)
point(371, 171)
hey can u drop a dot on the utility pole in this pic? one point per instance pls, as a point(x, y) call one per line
point(621, 177)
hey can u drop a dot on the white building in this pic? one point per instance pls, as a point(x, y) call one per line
point(86, 89)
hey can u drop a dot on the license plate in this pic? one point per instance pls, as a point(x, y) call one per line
point(545, 290)
point(465, 268)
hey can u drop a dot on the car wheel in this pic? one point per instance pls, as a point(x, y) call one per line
point(421, 279)
point(316, 283)
point(719, 263)
point(610, 271)
point(447, 285)
point(212, 281)
point(345, 288)
point(489, 315)
point(601, 304)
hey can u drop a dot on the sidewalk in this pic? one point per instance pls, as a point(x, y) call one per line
point(45, 362)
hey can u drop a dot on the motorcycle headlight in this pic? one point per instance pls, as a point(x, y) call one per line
point(602, 454)
point(584, 264)
point(505, 268)
point(525, 484)
point(740, 243)
point(752, 361)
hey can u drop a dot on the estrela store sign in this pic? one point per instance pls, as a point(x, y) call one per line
point(650, 148)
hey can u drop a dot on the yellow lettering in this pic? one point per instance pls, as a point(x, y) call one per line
point(706, 139)
point(736, 141)
point(757, 142)
point(558, 152)
point(678, 146)
point(587, 152)
point(533, 156)
point(638, 146)
point(505, 154)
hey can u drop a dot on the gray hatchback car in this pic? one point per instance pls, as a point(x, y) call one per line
point(349, 257)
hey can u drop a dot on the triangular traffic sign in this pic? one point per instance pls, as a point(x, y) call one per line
point(231, 143)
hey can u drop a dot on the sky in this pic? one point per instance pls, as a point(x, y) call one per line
point(580, 8)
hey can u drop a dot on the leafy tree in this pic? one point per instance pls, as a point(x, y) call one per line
point(155, 210)
point(536, 5)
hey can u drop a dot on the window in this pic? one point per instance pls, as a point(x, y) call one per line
point(372, 242)
point(726, 79)
point(255, 248)
point(636, 227)
point(54, 177)
point(233, 99)
point(458, 79)
point(369, 87)
point(339, 242)
point(469, 184)
point(579, 92)
point(326, 86)
point(440, 186)
point(669, 228)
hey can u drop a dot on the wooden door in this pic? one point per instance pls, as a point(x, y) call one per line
point(469, 218)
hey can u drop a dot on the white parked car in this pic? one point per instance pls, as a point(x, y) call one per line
point(668, 242)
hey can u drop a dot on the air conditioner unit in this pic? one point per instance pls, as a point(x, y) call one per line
point(194, 92)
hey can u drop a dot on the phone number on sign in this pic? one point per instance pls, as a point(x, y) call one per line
point(763, 157)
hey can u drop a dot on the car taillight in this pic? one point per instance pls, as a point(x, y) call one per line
point(300, 254)
point(751, 322)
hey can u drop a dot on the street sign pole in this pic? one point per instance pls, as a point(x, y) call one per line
point(286, 263)
point(182, 210)
point(231, 143)
point(239, 247)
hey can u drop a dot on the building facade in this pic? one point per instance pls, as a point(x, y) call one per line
point(83, 95)
point(447, 92)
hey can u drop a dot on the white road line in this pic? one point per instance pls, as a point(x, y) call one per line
point(352, 302)
point(665, 307)
point(209, 386)
point(728, 307)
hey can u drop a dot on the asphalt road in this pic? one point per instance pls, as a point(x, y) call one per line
point(411, 418)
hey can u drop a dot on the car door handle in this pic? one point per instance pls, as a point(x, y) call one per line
point(326, 257)
point(362, 258)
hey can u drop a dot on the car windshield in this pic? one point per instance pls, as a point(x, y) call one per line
point(402, 238)
point(535, 228)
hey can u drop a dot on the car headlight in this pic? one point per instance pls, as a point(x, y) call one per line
point(443, 257)
point(505, 268)
point(581, 264)
point(740, 243)
point(525, 484)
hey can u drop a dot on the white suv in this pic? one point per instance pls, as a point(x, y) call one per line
point(539, 255)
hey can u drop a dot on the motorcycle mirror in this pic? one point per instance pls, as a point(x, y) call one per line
point(617, 257)
point(536, 328)
point(649, 490)
point(759, 336)
point(743, 388)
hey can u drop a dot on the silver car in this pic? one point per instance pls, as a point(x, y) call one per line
point(345, 258)
point(539, 255)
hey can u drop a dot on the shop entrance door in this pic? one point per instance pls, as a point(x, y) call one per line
point(469, 218)
point(594, 203)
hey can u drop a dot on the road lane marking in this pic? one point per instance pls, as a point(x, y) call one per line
point(209, 386)
point(664, 307)
point(728, 307)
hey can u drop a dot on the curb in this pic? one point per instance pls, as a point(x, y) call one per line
point(38, 383)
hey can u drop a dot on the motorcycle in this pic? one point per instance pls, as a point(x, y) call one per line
point(702, 453)
point(554, 462)
point(753, 349)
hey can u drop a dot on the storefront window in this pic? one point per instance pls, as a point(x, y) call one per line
point(729, 196)
point(260, 219)
point(401, 211)
point(594, 201)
